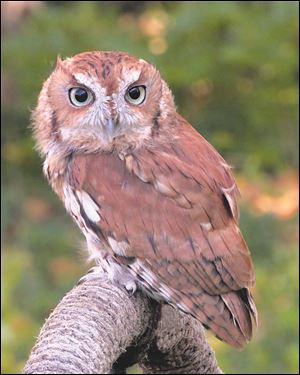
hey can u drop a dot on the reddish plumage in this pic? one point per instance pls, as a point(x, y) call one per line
point(156, 199)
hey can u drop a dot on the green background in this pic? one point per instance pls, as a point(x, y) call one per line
point(233, 68)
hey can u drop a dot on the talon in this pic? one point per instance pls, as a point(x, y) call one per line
point(131, 287)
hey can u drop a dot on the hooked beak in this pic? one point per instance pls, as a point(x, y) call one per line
point(110, 127)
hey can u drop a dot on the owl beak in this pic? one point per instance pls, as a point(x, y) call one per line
point(110, 127)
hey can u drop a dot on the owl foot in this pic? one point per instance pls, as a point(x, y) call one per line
point(131, 287)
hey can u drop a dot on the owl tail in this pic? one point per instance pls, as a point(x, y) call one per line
point(231, 316)
point(243, 317)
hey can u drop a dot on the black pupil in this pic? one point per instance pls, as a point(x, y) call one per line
point(134, 93)
point(81, 95)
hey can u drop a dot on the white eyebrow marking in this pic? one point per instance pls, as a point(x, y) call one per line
point(127, 79)
point(92, 82)
point(86, 79)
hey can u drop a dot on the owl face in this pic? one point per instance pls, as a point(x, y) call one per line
point(99, 101)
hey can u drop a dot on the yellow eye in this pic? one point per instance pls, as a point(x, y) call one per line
point(80, 96)
point(136, 95)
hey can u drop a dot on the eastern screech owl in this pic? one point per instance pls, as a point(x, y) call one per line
point(155, 201)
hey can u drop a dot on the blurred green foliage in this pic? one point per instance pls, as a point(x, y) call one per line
point(233, 68)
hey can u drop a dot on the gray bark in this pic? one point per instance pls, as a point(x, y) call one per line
point(99, 328)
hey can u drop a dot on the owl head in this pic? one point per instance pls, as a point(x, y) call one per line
point(100, 101)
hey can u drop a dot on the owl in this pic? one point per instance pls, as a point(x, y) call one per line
point(155, 201)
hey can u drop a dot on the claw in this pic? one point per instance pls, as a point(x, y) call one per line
point(131, 287)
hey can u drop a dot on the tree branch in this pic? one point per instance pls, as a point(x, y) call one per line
point(99, 328)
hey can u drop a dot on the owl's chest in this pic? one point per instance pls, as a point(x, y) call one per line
point(106, 188)
point(91, 195)
point(101, 247)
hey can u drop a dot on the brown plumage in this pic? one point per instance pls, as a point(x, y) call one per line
point(155, 200)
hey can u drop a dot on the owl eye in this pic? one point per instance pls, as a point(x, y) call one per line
point(136, 95)
point(80, 96)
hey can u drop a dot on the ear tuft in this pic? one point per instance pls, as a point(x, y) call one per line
point(59, 62)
